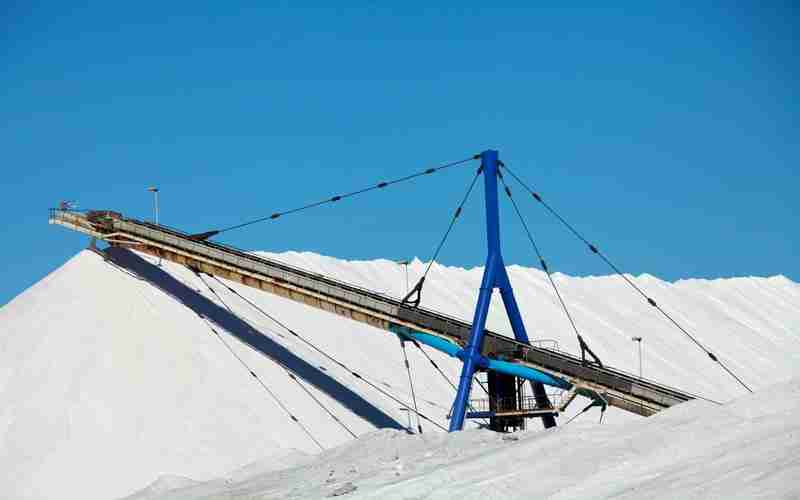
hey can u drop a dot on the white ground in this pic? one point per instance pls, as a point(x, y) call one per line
point(108, 383)
point(746, 449)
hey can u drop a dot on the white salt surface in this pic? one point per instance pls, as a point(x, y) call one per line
point(109, 383)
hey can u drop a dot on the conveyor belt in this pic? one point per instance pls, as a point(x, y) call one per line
point(619, 389)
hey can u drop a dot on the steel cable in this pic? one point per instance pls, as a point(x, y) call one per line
point(328, 356)
point(292, 375)
point(336, 198)
point(595, 250)
point(411, 383)
point(542, 262)
point(418, 287)
point(261, 383)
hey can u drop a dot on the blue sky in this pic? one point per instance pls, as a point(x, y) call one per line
point(668, 135)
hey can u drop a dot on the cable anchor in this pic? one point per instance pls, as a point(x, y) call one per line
point(414, 297)
point(203, 236)
point(585, 349)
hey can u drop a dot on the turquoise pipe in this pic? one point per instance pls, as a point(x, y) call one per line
point(527, 373)
point(497, 365)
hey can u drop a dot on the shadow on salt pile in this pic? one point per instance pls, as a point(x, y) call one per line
point(165, 282)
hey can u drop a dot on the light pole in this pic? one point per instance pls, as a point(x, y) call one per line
point(405, 264)
point(638, 340)
point(154, 190)
point(410, 431)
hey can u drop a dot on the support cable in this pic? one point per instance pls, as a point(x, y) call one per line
point(411, 383)
point(595, 250)
point(334, 199)
point(443, 374)
point(292, 375)
point(416, 292)
point(592, 404)
point(480, 384)
point(447, 379)
point(241, 361)
point(328, 356)
point(261, 383)
point(584, 347)
point(228, 347)
point(252, 304)
point(259, 309)
point(436, 366)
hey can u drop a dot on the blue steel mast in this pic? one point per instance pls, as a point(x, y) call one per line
point(494, 276)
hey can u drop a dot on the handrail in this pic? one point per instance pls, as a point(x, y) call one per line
point(511, 404)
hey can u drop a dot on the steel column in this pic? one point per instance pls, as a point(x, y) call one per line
point(494, 276)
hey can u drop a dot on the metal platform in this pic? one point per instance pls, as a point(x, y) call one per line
point(526, 406)
point(619, 389)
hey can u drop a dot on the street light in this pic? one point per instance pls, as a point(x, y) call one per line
point(409, 429)
point(154, 190)
point(639, 341)
point(405, 264)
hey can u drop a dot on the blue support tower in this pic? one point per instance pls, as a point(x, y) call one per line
point(494, 276)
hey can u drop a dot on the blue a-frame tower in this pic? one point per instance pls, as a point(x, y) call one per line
point(494, 276)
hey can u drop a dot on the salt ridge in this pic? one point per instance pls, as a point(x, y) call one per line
point(108, 383)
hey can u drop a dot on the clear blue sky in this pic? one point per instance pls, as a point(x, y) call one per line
point(668, 134)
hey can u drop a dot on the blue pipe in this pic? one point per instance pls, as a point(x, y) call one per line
point(527, 373)
point(437, 343)
point(497, 365)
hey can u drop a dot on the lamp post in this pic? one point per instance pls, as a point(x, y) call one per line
point(154, 190)
point(405, 264)
point(410, 431)
point(638, 340)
